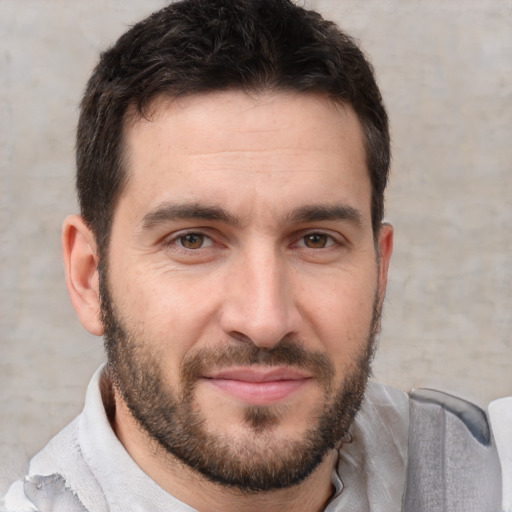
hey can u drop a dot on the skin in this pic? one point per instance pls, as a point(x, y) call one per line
point(256, 276)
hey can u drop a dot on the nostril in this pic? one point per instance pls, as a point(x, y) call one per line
point(238, 336)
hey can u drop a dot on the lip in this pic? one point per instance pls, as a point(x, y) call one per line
point(258, 386)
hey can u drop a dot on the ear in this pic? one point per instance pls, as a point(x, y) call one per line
point(385, 247)
point(80, 255)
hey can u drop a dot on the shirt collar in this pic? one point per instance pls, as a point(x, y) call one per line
point(122, 481)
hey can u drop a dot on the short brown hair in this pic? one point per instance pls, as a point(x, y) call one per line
point(199, 46)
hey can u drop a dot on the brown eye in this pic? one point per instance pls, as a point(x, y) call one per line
point(316, 241)
point(192, 241)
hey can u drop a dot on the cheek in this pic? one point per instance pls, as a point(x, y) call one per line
point(166, 309)
point(341, 314)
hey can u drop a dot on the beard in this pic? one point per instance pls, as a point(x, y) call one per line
point(257, 462)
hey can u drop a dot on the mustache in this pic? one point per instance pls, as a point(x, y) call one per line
point(285, 353)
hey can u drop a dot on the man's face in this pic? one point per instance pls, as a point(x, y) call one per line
point(242, 290)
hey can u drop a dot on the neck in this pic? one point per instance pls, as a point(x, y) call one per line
point(188, 486)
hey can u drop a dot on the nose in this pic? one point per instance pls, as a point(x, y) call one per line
point(260, 304)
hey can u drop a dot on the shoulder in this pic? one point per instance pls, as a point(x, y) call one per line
point(420, 451)
point(59, 476)
point(42, 493)
point(452, 458)
point(56, 476)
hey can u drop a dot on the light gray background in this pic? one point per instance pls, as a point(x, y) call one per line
point(445, 68)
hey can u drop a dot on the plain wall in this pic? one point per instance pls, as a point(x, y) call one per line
point(445, 69)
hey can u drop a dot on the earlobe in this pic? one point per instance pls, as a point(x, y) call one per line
point(385, 251)
point(79, 251)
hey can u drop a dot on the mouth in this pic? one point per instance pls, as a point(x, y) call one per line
point(257, 385)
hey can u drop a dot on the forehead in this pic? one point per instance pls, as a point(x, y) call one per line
point(309, 115)
point(279, 146)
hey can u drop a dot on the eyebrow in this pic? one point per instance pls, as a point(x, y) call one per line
point(315, 213)
point(170, 212)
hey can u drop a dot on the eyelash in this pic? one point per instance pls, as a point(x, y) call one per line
point(329, 240)
point(177, 240)
point(301, 242)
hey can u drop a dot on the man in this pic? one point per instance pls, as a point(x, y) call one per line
point(232, 157)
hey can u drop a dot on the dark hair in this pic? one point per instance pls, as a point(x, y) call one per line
point(198, 46)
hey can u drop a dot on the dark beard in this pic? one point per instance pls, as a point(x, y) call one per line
point(177, 424)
